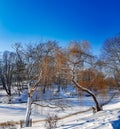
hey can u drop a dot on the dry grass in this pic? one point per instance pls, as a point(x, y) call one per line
point(8, 125)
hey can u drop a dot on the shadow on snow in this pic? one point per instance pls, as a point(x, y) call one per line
point(116, 123)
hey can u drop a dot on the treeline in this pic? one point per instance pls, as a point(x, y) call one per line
point(49, 64)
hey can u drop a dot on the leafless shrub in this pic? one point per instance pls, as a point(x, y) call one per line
point(51, 122)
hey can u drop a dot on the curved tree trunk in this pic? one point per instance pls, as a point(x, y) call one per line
point(98, 107)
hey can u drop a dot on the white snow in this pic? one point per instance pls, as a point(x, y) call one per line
point(109, 118)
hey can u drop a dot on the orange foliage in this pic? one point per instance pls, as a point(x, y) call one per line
point(92, 79)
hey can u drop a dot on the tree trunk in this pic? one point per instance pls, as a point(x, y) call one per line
point(28, 110)
point(6, 86)
point(98, 107)
point(29, 102)
point(58, 90)
point(44, 89)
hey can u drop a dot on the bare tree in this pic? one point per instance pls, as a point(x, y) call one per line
point(60, 76)
point(39, 70)
point(20, 70)
point(31, 90)
point(48, 64)
point(77, 58)
point(111, 58)
point(7, 70)
point(33, 58)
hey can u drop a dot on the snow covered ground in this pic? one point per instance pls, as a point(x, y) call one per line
point(109, 118)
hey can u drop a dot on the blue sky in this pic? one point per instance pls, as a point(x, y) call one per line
point(62, 20)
